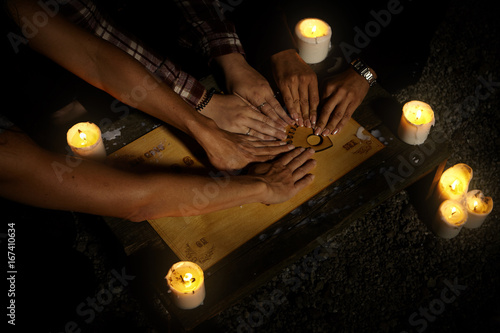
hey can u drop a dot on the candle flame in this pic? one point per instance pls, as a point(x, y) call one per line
point(314, 29)
point(419, 114)
point(453, 212)
point(475, 205)
point(454, 185)
point(83, 136)
point(187, 279)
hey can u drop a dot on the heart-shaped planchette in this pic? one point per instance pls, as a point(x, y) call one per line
point(304, 137)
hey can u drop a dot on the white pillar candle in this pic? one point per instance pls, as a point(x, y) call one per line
point(416, 122)
point(85, 141)
point(454, 183)
point(450, 218)
point(478, 208)
point(187, 284)
point(313, 39)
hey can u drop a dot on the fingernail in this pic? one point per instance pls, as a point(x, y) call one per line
point(325, 132)
point(336, 131)
point(291, 147)
point(313, 120)
point(307, 123)
point(317, 131)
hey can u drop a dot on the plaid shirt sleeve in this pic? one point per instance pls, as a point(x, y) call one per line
point(85, 14)
point(207, 29)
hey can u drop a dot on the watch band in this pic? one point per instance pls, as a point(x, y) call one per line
point(362, 69)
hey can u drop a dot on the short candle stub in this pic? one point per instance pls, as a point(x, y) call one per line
point(85, 141)
point(416, 121)
point(478, 208)
point(450, 218)
point(186, 282)
point(454, 182)
point(313, 38)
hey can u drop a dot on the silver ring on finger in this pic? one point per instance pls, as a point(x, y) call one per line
point(248, 132)
point(260, 106)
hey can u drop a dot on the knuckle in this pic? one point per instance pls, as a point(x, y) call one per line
point(314, 99)
point(337, 116)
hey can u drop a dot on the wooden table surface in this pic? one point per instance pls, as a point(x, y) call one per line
point(389, 171)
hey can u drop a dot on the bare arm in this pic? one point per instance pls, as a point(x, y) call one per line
point(112, 70)
point(34, 176)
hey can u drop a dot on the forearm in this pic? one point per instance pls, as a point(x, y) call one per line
point(49, 180)
point(230, 62)
point(107, 67)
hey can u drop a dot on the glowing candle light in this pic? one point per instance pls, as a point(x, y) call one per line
point(450, 218)
point(454, 182)
point(85, 141)
point(313, 39)
point(416, 122)
point(187, 284)
point(478, 208)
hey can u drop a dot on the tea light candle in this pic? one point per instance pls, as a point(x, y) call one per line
point(478, 208)
point(416, 122)
point(313, 39)
point(454, 182)
point(450, 218)
point(85, 141)
point(187, 284)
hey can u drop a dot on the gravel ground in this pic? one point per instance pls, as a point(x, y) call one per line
point(386, 272)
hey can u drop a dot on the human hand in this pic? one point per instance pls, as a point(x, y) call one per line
point(236, 115)
point(342, 94)
point(229, 151)
point(287, 175)
point(298, 85)
point(245, 81)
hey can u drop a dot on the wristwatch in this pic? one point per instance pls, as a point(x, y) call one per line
point(362, 69)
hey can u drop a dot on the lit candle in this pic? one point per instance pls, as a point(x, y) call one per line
point(313, 39)
point(85, 141)
point(416, 122)
point(478, 208)
point(450, 218)
point(454, 183)
point(187, 284)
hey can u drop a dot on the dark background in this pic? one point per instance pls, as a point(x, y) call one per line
point(372, 277)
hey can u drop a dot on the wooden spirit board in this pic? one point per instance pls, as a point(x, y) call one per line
point(205, 239)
